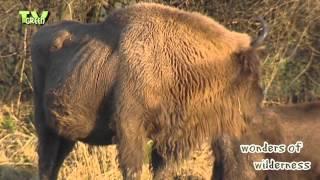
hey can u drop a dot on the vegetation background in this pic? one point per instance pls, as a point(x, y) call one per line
point(291, 71)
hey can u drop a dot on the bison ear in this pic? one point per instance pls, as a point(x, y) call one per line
point(248, 61)
point(61, 39)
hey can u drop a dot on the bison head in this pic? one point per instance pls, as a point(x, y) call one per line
point(245, 84)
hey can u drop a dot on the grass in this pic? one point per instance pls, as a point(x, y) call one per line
point(8, 123)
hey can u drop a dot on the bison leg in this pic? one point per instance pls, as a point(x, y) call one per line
point(229, 162)
point(132, 139)
point(52, 152)
point(65, 147)
point(52, 149)
point(159, 166)
point(48, 145)
point(219, 153)
point(157, 161)
point(131, 154)
point(48, 141)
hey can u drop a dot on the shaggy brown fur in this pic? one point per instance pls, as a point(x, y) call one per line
point(277, 125)
point(157, 72)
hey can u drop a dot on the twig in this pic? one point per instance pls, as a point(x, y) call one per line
point(28, 81)
point(313, 80)
point(269, 102)
point(70, 10)
point(17, 163)
point(8, 55)
point(273, 76)
point(303, 71)
point(22, 68)
point(303, 34)
point(69, 5)
point(26, 143)
point(5, 137)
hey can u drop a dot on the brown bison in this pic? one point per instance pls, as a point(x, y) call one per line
point(148, 71)
point(276, 125)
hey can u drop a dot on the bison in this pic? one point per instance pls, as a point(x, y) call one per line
point(149, 71)
point(284, 124)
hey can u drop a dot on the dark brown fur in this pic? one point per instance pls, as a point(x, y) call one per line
point(276, 125)
point(73, 75)
point(153, 71)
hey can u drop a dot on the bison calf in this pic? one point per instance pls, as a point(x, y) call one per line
point(276, 125)
point(148, 71)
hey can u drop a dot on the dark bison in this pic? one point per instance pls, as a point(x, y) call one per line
point(148, 71)
point(277, 125)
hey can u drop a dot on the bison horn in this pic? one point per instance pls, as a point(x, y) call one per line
point(262, 34)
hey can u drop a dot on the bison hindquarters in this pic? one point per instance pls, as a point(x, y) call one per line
point(73, 73)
